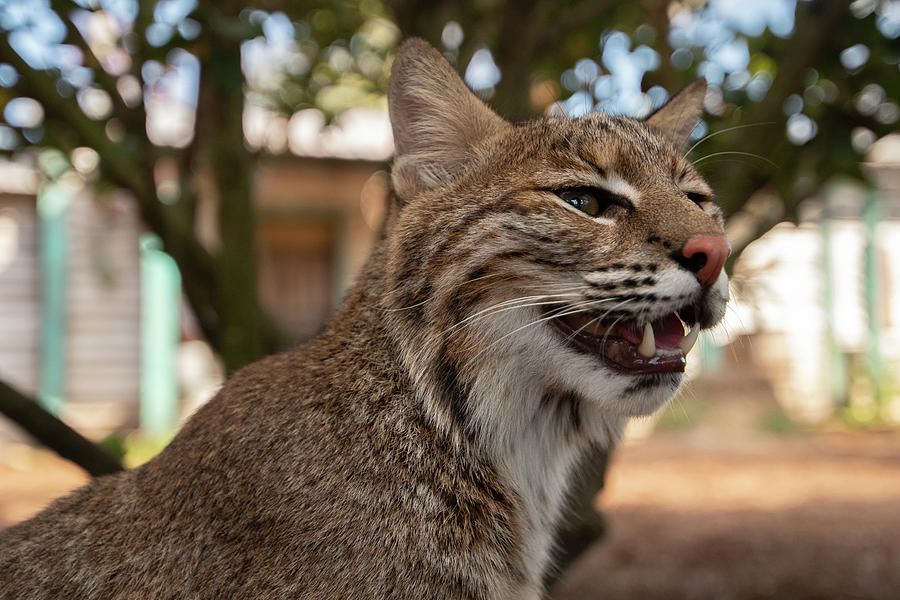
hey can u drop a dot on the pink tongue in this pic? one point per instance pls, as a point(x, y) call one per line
point(667, 330)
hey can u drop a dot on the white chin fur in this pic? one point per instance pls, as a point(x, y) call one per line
point(611, 395)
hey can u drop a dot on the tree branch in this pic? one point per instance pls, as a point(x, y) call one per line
point(53, 433)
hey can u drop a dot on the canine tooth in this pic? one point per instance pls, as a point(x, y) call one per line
point(648, 344)
point(690, 339)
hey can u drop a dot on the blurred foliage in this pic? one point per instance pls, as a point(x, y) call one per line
point(334, 58)
point(139, 448)
point(776, 421)
point(114, 445)
point(873, 395)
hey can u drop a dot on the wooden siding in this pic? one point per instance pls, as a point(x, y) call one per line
point(19, 293)
point(295, 189)
point(296, 264)
point(317, 222)
point(103, 312)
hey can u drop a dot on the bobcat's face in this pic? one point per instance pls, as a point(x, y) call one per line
point(605, 208)
point(582, 255)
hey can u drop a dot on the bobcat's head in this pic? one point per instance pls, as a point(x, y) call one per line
point(581, 255)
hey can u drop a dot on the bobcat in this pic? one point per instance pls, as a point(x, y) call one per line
point(527, 296)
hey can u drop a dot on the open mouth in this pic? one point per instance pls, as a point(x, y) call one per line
point(659, 346)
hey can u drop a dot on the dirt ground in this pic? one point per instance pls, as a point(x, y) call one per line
point(816, 517)
point(30, 479)
point(708, 512)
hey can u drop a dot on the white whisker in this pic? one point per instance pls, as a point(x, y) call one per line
point(726, 130)
point(587, 306)
point(519, 302)
point(730, 153)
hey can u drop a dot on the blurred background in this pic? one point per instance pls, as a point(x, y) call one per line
point(188, 185)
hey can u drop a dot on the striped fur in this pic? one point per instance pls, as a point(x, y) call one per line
point(421, 447)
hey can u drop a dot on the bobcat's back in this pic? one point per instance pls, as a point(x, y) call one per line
point(283, 486)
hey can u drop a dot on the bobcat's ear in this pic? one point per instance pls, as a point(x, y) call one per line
point(435, 118)
point(677, 117)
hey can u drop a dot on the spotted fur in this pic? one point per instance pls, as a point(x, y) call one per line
point(421, 447)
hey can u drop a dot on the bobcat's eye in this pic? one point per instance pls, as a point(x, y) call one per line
point(698, 198)
point(591, 201)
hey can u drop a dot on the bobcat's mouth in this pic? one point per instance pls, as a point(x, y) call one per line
point(659, 346)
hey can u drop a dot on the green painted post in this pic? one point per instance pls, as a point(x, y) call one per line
point(710, 353)
point(52, 208)
point(871, 218)
point(160, 332)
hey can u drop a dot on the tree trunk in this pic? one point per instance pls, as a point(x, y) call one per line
point(221, 151)
point(515, 56)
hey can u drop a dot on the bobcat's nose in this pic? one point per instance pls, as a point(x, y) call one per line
point(704, 255)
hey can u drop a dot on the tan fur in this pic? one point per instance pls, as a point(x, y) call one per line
point(421, 447)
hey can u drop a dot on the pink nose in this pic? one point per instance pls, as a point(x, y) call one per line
point(705, 255)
